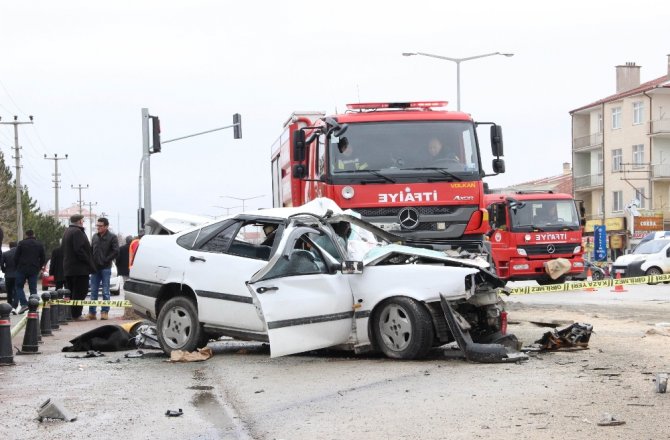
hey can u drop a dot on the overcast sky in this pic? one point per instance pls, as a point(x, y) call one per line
point(86, 69)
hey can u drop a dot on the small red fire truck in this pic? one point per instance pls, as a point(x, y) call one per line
point(531, 228)
point(413, 168)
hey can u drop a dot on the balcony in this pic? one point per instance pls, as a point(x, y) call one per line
point(589, 181)
point(660, 171)
point(660, 128)
point(589, 142)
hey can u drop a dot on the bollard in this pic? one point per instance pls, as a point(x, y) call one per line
point(54, 310)
point(6, 356)
point(61, 309)
point(32, 327)
point(68, 309)
point(45, 322)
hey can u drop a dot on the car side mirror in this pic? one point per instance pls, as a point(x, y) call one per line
point(352, 267)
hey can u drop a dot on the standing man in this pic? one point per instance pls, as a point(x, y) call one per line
point(29, 259)
point(105, 250)
point(9, 268)
point(56, 267)
point(77, 261)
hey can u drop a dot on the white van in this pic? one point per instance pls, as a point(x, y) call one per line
point(648, 258)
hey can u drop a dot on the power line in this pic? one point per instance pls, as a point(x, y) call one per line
point(79, 187)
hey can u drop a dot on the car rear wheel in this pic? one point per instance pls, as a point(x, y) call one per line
point(597, 275)
point(653, 271)
point(178, 326)
point(403, 329)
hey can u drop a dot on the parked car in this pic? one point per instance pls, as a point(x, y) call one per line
point(648, 258)
point(49, 283)
point(597, 272)
point(312, 277)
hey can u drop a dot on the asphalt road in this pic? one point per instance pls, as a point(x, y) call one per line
point(242, 393)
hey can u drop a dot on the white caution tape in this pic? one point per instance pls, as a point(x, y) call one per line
point(577, 285)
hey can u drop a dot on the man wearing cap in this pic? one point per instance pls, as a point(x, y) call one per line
point(77, 261)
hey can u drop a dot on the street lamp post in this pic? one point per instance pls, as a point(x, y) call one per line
point(243, 199)
point(458, 62)
point(228, 208)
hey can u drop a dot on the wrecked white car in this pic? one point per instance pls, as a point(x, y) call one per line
point(313, 277)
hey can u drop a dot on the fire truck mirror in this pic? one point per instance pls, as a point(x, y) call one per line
point(497, 141)
point(498, 166)
point(298, 146)
point(298, 171)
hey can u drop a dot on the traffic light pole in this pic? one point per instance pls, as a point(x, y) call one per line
point(144, 212)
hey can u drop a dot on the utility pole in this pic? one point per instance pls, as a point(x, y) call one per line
point(17, 158)
point(80, 187)
point(56, 182)
point(90, 217)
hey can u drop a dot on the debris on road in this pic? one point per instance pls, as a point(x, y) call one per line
point(173, 413)
point(574, 336)
point(661, 382)
point(53, 410)
point(610, 420)
point(195, 356)
point(89, 354)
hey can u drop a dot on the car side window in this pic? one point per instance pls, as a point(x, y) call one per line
point(253, 240)
point(220, 241)
point(187, 240)
point(304, 258)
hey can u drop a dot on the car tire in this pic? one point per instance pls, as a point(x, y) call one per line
point(597, 276)
point(653, 271)
point(178, 326)
point(402, 328)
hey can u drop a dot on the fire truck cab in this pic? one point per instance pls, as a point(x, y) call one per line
point(413, 168)
point(531, 228)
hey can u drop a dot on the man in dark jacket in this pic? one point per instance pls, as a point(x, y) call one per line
point(9, 268)
point(56, 267)
point(123, 260)
point(105, 250)
point(29, 259)
point(77, 261)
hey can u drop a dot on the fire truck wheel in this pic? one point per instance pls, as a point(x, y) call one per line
point(178, 326)
point(402, 328)
point(546, 281)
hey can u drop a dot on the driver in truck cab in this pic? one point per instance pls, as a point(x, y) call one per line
point(347, 160)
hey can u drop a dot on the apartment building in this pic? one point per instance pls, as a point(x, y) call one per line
point(621, 158)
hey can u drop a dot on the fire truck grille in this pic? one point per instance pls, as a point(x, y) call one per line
point(542, 249)
point(423, 210)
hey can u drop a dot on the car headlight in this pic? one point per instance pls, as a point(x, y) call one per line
point(347, 192)
point(578, 264)
point(522, 252)
point(577, 250)
point(520, 267)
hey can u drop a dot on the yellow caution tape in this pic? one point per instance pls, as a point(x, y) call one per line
point(119, 303)
point(577, 285)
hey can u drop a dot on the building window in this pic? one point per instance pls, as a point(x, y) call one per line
point(638, 156)
point(617, 201)
point(638, 112)
point(639, 195)
point(617, 160)
point(616, 118)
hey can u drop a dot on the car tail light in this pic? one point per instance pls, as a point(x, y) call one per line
point(503, 322)
point(132, 251)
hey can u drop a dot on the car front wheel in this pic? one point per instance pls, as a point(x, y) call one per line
point(178, 326)
point(653, 271)
point(403, 329)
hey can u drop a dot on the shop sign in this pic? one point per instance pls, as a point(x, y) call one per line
point(649, 223)
point(600, 243)
point(616, 241)
point(612, 224)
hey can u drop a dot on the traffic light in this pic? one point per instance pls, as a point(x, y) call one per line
point(237, 128)
point(156, 134)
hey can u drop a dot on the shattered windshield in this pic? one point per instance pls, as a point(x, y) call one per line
point(406, 147)
point(545, 215)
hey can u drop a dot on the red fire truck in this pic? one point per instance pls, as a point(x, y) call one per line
point(413, 168)
point(531, 228)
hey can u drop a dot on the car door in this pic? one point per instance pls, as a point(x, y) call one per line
point(306, 304)
point(220, 262)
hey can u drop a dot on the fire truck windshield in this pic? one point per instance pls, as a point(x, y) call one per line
point(544, 215)
point(407, 148)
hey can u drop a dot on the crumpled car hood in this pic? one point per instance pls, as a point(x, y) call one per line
point(377, 254)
